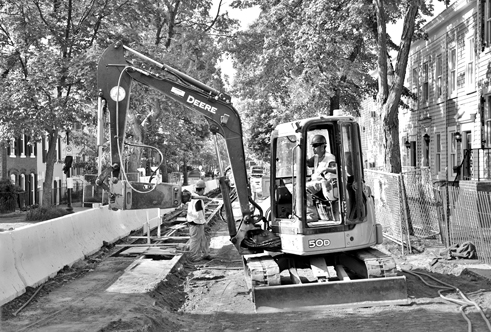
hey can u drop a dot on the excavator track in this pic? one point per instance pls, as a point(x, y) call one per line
point(362, 278)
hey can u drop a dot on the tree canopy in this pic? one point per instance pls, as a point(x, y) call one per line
point(307, 58)
point(299, 59)
point(49, 53)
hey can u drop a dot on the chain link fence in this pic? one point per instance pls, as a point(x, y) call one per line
point(469, 219)
point(389, 205)
point(411, 206)
point(424, 208)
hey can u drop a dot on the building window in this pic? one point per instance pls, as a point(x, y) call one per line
point(415, 85)
point(44, 147)
point(487, 22)
point(425, 82)
point(438, 80)
point(487, 122)
point(438, 153)
point(12, 148)
point(452, 75)
point(58, 148)
point(453, 153)
point(469, 71)
point(22, 148)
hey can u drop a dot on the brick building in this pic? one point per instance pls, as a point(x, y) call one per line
point(23, 162)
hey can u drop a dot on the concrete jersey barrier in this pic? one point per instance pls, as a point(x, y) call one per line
point(32, 254)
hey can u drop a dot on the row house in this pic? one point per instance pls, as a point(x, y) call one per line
point(448, 127)
point(24, 163)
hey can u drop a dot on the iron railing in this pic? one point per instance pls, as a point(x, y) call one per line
point(475, 165)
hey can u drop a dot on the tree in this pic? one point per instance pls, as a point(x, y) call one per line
point(49, 53)
point(45, 85)
point(390, 90)
point(302, 59)
point(305, 55)
point(185, 36)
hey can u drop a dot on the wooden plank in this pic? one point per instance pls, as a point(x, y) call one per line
point(146, 250)
point(263, 270)
point(307, 275)
point(163, 238)
point(341, 272)
point(331, 270)
point(319, 268)
point(134, 251)
point(294, 276)
point(148, 245)
point(160, 252)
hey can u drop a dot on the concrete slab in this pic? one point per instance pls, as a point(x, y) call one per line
point(143, 276)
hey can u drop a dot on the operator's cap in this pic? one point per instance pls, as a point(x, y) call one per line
point(200, 184)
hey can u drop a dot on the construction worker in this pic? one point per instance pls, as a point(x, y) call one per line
point(199, 242)
point(323, 162)
point(323, 179)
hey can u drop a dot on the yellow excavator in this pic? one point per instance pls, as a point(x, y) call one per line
point(314, 245)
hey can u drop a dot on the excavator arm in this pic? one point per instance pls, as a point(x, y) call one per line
point(116, 75)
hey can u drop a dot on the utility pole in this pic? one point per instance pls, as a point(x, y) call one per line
point(67, 169)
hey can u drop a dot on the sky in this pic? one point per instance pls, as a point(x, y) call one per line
point(247, 16)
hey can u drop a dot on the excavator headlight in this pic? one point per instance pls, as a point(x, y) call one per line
point(117, 93)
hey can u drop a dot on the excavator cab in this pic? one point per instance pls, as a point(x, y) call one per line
point(318, 191)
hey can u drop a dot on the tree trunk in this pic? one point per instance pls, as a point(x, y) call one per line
point(334, 103)
point(185, 173)
point(164, 172)
point(388, 99)
point(50, 163)
point(392, 152)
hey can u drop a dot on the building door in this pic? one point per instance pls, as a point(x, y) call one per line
point(412, 156)
point(55, 192)
point(452, 155)
point(467, 153)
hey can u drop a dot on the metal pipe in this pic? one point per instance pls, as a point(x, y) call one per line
point(227, 203)
point(218, 154)
point(100, 133)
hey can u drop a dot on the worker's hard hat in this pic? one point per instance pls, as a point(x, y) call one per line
point(318, 139)
point(200, 184)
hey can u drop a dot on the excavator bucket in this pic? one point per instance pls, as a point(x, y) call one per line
point(331, 294)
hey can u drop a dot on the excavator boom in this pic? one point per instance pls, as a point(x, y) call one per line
point(116, 74)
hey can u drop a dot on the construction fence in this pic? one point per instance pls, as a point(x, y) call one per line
point(411, 207)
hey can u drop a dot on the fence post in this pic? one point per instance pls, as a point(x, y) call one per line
point(404, 207)
point(447, 209)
